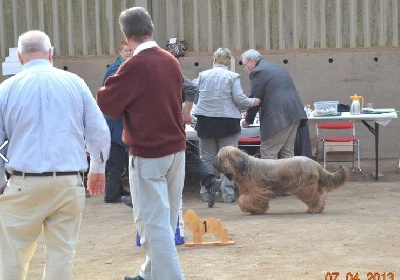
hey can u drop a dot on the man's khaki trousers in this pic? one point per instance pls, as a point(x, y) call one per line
point(31, 205)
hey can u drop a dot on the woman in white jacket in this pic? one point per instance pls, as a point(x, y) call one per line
point(218, 114)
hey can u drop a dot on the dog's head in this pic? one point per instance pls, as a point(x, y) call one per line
point(231, 162)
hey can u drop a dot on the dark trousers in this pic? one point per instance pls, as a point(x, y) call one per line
point(195, 166)
point(115, 166)
point(302, 144)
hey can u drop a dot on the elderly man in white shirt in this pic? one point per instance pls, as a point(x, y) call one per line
point(50, 120)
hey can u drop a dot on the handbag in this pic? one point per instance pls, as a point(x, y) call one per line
point(177, 48)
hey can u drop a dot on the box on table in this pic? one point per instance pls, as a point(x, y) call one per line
point(325, 108)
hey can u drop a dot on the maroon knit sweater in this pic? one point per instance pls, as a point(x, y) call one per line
point(146, 92)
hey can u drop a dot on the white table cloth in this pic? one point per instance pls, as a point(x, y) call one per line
point(252, 131)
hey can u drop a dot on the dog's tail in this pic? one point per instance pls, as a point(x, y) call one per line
point(330, 181)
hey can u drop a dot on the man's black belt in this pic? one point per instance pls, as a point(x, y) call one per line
point(19, 173)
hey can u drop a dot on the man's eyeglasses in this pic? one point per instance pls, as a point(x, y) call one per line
point(245, 63)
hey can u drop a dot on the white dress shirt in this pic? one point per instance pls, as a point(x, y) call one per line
point(51, 120)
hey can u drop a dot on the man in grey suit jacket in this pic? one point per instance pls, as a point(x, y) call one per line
point(281, 109)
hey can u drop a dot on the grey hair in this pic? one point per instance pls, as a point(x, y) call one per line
point(34, 41)
point(222, 56)
point(136, 24)
point(252, 54)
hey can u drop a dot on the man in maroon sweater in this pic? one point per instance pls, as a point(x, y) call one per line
point(146, 92)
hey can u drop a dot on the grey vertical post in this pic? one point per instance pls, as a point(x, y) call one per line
point(181, 20)
point(2, 37)
point(267, 26)
point(56, 27)
point(382, 23)
point(224, 23)
point(28, 14)
point(15, 22)
point(238, 28)
point(41, 14)
point(84, 27)
point(210, 26)
point(353, 23)
point(295, 25)
point(196, 28)
point(366, 24)
point(99, 48)
point(323, 24)
point(281, 26)
point(111, 33)
point(70, 19)
point(310, 24)
point(395, 23)
point(338, 23)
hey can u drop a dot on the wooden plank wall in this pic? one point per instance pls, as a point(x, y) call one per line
point(90, 27)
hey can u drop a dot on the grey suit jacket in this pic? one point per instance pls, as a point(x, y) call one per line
point(280, 102)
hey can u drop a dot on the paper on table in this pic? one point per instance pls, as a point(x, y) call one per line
point(381, 111)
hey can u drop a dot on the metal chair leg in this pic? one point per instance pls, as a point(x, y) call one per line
point(358, 156)
point(354, 155)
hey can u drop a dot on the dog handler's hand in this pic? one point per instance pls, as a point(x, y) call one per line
point(187, 118)
point(2, 190)
point(245, 124)
point(96, 183)
point(257, 101)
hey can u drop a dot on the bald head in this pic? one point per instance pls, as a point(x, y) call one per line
point(34, 44)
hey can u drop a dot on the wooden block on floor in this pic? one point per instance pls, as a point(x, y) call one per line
point(199, 227)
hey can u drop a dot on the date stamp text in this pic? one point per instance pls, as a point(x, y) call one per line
point(350, 275)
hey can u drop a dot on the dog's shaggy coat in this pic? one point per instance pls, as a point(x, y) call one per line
point(260, 180)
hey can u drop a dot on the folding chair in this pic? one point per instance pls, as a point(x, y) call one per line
point(251, 145)
point(338, 134)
